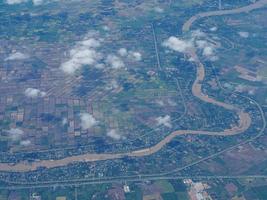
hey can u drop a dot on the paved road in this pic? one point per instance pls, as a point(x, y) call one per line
point(125, 180)
point(244, 118)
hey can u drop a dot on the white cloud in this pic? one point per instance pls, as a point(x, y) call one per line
point(137, 56)
point(15, 1)
point(25, 142)
point(160, 102)
point(17, 56)
point(99, 66)
point(197, 40)
point(84, 53)
point(105, 28)
point(34, 93)
point(159, 10)
point(123, 52)
point(114, 134)
point(171, 102)
point(114, 61)
point(243, 34)
point(213, 29)
point(87, 121)
point(213, 58)
point(15, 134)
point(166, 121)
point(208, 51)
point(35, 2)
point(113, 84)
point(133, 55)
point(177, 44)
point(90, 43)
point(201, 44)
point(64, 121)
point(198, 34)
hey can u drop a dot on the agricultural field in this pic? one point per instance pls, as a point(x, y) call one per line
point(119, 99)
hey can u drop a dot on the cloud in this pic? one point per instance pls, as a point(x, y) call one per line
point(165, 121)
point(34, 93)
point(90, 43)
point(87, 121)
point(213, 29)
point(15, 134)
point(25, 142)
point(208, 51)
point(198, 34)
point(123, 52)
point(201, 44)
point(17, 56)
point(158, 10)
point(197, 40)
point(105, 28)
point(177, 44)
point(243, 34)
point(15, 1)
point(133, 55)
point(137, 56)
point(160, 102)
point(35, 2)
point(114, 61)
point(84, 53)
point(114, 134)
point(64, 121)
point(113, 84)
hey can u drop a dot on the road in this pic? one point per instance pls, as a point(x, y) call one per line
point(78, 183)
point(244, 118)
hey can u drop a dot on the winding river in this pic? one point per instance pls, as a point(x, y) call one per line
point(243, 125)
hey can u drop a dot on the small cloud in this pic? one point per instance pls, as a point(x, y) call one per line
point(171, 102)
point(177, 44)
point(64, 121)
point(135, 55)
point(34, 93)
point(114, 61)
point(87, 121)
point(90, 43)
point(243, 34)
point(113, 84)
point(160, 102)
point(208, 51)
point(11, 2)
point(158, 10)
point(100, 66)
point(17, 56)
point(198, 34)
point(165, 121)
point(15, 134)
point(105, 28)
point(213, 29)
point(201, 44)
point(25, 143)
point(114, 134)
point(84, 53)
point(123, 52)
point(35, 2)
